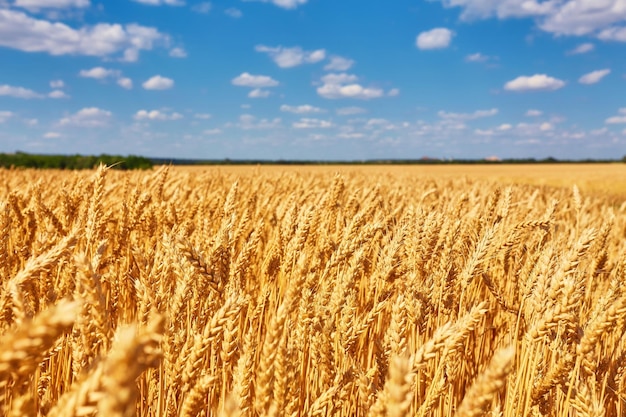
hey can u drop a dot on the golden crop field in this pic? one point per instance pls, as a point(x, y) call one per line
point(313, 291)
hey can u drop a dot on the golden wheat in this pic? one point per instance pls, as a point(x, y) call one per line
point(308, 293)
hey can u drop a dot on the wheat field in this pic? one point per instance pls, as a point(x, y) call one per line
point(308, 293)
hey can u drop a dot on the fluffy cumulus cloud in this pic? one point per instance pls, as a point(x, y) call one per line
point(477, 57)
point(619, 119)
point(18, 92)
point(546, 127)
point(537, 82)
point(259, 93)
point(478, 114)
point(601, 18)
point(594, 77)
point(178, 53)
point(99, 73)
point(87, 117)
point(302, 109)
point(583, 48)
point(254, 81)
point(57, 94)
point(125, 82)
point(51, 4)
point(161, 2)
point(534, 113)
point(306, 123)
point(156, 115)
point(438, 38)
point(339, 63)
point(158, 83)
point(342, 85)
point(51, 135)
point(57, 84)
point(285, 4)
point(25, 33)
point(291, 57)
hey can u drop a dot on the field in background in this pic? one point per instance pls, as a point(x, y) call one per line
point(593, 178)
point(312, 291)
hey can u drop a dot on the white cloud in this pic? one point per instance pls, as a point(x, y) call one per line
point(285, 4)
point(233, 12)
point(583, 48)
point(437, 38)
point(351, 135)
point(613, 34)
point(51, 135)
point(306, 123)
point(18, 92)
point(394, 92)
point(348, 111)
point(339, 63)
point(25, 33)
point(161, 2)
point(31, 122)
point(125, 82)
point(620, 119)
point(303, 109)
point(87, 117)
point(130, 55)
point(594, 76)
point(202, 116)
point(259, 93)
point(478, 114)
point(534, 113)
point(57, 84)
point(5, 115)
point(477, 57)
point(474, 9)
point(57, 94)
point(344, 86)
point(254, 81)
point(248, 121)
point(537, 82)
point(51, 4)
point(377, 122)
point(158, 83)
point(560, 17)
point(156, 115)
point(204, 7)
point(545, 127)
point(212, 132)
point(292, 57)
point(99, 73)
point(178, 53)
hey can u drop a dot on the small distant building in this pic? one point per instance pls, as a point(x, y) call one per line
point(493, 158)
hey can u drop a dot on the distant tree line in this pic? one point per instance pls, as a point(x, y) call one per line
point(423, 161)
point(26, 160)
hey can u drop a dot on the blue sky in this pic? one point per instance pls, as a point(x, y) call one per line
point(314, 79)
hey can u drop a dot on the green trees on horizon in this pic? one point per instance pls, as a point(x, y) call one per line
point(26, 160)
